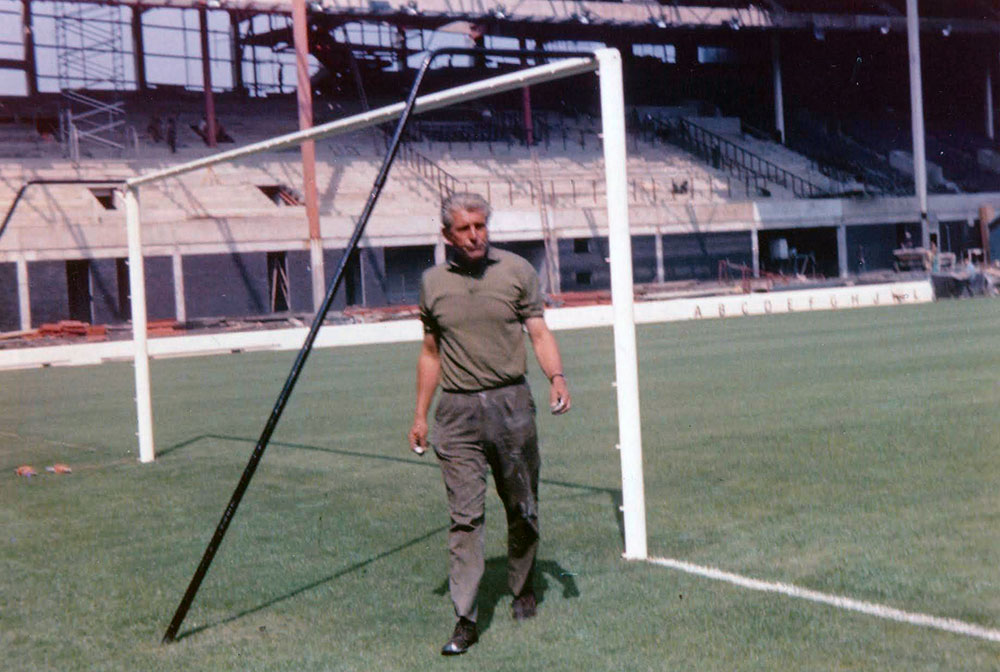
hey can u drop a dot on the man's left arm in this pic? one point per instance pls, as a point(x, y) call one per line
point(547, 353)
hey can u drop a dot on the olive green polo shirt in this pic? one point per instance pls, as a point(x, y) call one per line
point(478, 317)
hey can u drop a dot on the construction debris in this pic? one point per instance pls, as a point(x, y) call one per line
point(59, 468)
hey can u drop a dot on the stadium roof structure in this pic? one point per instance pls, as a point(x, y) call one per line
point(975, 16)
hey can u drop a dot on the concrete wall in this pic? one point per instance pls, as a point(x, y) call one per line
point(875, 244)
point(299, 281)
point(643, 259)
point(696, 256)
point(373, 276)
point(106, 304)
point(159, 288)
point(403, 268)
point(232, 285)
point(582, 264)
point(48, 293)
point(364, 283)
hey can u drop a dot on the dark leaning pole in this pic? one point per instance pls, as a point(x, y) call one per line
point(279, 405)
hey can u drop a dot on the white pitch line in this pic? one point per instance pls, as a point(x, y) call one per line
point(879, 610)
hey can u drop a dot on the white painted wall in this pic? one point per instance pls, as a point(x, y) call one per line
point(770, 303)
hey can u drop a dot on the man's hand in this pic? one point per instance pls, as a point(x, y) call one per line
point(418, 436)
point(428, 371)
point(547, 353)
point(559, 399)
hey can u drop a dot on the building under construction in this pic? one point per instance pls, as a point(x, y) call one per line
point(773, 141)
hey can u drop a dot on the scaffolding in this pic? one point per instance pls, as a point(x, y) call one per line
point(90, 57)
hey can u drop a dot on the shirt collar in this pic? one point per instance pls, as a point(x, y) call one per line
point(456, 265)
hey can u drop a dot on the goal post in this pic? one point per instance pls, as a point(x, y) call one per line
point(622, 300)
point(607, 64)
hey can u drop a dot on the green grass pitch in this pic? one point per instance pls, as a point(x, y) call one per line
point(854, 453)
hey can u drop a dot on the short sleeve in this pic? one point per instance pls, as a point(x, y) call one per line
point(529, 303)
point(426, 318)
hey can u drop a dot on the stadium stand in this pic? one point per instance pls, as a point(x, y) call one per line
point(709, 178)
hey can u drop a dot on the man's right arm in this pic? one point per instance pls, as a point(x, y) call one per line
point(428, 373)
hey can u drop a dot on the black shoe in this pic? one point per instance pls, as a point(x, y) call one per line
point(524, 606)
point(465, 635)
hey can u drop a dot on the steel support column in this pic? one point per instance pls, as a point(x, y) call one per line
point(842, 250)
point(661, 272)
point(180, 304)
point(917, 117)
point(30, 69)
point(304, 88)
point(206, 73)
point(23, 293)
point(989, 103)
point(985, 217)
point(236, 45)
point(139, 49)
point(779, 102)
point(529, 128)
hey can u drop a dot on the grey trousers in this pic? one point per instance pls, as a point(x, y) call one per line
point(473, 431)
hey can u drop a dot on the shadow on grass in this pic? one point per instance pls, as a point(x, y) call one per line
point(615, 494)
point(493, 586)
point(314, 584)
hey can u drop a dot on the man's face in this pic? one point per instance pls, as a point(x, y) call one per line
point(468, 235)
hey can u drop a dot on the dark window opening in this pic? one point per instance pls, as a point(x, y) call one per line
point(584, 277)
point(78, 290)
point(105, 196)
point(717, 55)
point(281, 194)
point(581, 245)
point(277, 274)
point(124, 289)
point(666, 53)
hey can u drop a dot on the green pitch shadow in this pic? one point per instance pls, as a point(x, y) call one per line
point(494, 583)
point(313, 584)
point(614, 494)
point(493, 587)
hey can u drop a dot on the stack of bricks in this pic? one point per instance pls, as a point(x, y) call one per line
point(164, 328)
point(70, 329)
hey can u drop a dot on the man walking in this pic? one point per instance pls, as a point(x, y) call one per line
point(475, 309)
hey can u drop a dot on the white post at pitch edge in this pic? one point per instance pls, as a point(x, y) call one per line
point(620, 244)
point(917, 117)
point(137, 290)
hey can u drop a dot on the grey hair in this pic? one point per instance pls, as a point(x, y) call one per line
point(463, 202)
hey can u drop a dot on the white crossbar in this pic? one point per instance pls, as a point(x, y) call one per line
point(607, 62)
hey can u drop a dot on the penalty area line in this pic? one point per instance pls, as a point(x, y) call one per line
point(870, 608)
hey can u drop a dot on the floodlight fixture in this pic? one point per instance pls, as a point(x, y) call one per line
point(946, 31)
point(583, 17)
point(658, 21)
point(734, 23)
point(213, 4)
point(500, 12)
point(884, 29)
point(819, 33)
point(411, 8)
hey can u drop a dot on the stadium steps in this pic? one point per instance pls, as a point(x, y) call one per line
point(792, 161)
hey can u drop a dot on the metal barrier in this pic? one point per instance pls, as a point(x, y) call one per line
point(445, 182)
point(755, 171)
